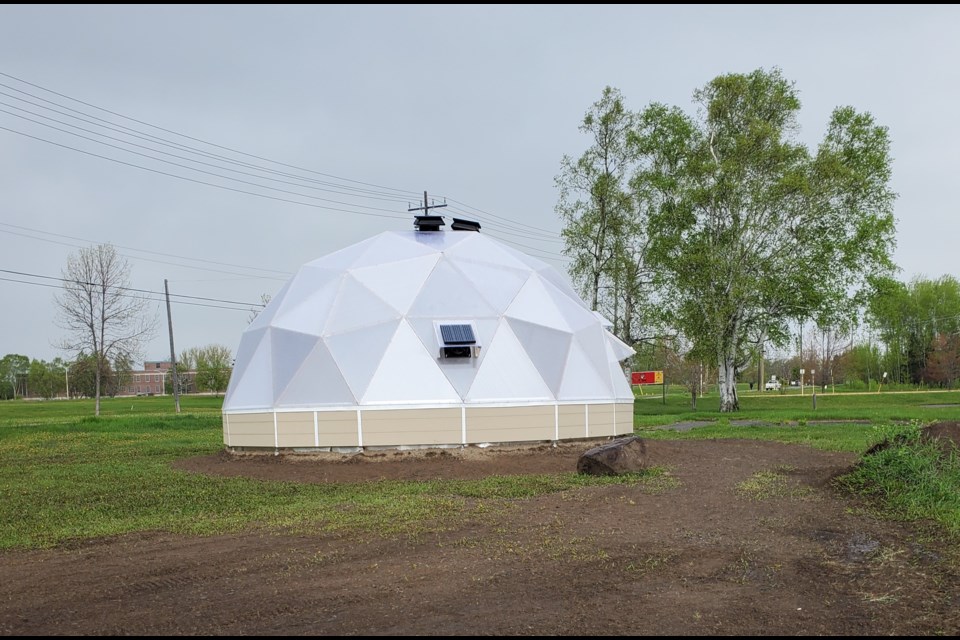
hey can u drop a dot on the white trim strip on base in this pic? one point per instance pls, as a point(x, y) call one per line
point(463, 425)
point(359, 429)
point(316, 430)
point(226, 423)
point(421, 405)
point(586, 418)
point(556, 421)
point(276, 433)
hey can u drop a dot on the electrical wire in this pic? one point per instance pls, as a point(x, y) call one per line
point(182, 135)
point(157, 293)
point(182, 302)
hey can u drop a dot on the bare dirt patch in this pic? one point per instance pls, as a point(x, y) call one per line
point(753, 540)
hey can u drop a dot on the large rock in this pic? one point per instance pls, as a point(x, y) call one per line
point(623, 455)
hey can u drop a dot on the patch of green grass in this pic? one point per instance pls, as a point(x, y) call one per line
point(827, 437)
point(910, 480)
point(35, 412)
point(781, 409)
point(108, 476)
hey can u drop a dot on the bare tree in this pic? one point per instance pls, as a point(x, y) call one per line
point(101, 314)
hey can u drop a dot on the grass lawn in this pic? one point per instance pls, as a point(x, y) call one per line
point(65, 478)
point(66, 475)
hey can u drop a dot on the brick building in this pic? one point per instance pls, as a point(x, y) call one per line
point(151, 380)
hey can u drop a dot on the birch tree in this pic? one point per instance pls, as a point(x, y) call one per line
point(102, 316)
point(593, 200)
point(751, 229)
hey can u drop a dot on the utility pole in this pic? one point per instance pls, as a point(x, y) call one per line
point(173, 356)
point(426, 206)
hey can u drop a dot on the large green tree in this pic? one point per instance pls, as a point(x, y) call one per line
point(14, 369)
point(47, 379)
point(749, 227)
point(601, 233)
point(910, 318)
point(213, 364)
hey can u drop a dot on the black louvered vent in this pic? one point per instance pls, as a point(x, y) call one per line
point(428, 223)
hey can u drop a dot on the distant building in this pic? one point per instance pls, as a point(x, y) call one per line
point(152, 379)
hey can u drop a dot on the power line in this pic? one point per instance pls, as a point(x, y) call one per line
point(552, 254)
point(187, 167)
point(192, 304)
point(493, 215)
point(549, 236)
point(158, 253)
point(79, 282)
point(209, 184)
point(175, 264)
point(533, 235)
point(510, 227)
point(179, 147)
point(153, 126)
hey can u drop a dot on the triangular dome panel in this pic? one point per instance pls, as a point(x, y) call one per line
point(317, 382)
point(557, 279)
point(527, 260)
point(388, 248)
point(448, 294)
point(534, 304)
point(355, 307)
point(497, 284)
point(547, 349)
point(249, 342)
point(288, 351)
point(407, 373)
point(621, 388)
point(397, 283)
point(358, 353)
point(576, 314)
point(308, 306)
point(480, 248)
point(254, 389)
point(507, 372)
point(593, 340)
point(581, 380)
point(619, 350)
point(439, 242)
point(460, 372)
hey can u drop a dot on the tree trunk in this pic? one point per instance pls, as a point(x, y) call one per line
point(96, 377)
point(728, 383)
point(763, 380)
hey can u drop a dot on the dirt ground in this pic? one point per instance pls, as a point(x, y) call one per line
point(792, 557)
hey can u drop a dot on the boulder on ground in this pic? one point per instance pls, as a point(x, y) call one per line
point(623, 455)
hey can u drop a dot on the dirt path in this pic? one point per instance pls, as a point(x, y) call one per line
point(788, 556)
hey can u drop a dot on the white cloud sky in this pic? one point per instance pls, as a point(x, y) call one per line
point(477, 103)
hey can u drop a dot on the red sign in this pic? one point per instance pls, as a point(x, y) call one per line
point(646, 377)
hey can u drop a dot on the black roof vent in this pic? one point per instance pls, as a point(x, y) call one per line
point(428, 223)
point(465, 225)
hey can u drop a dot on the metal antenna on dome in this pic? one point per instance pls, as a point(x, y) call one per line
point(427, 222)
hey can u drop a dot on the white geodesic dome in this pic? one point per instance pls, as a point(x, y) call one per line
point(366, 327)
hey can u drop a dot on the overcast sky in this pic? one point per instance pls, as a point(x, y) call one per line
point(365, 107)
